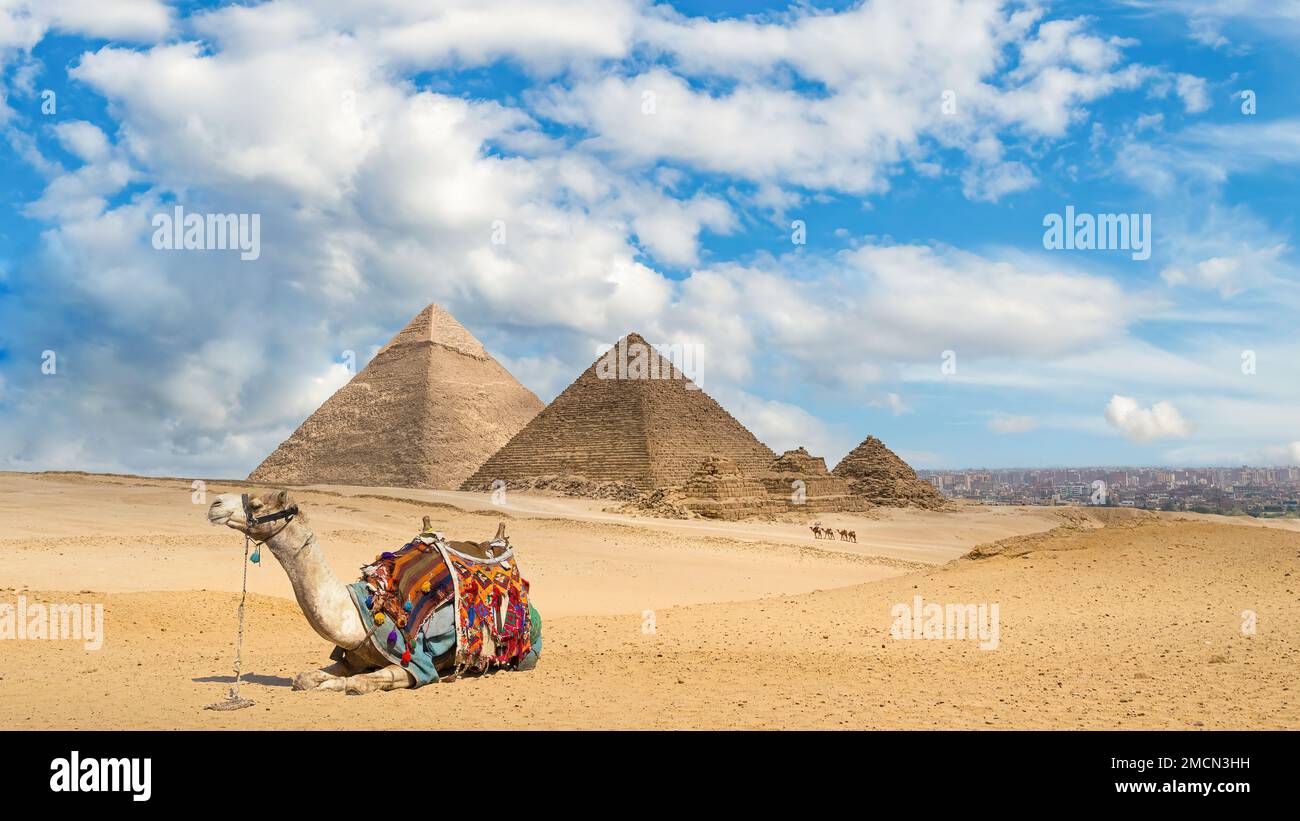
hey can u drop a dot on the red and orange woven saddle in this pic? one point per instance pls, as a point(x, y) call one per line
point(493, 621)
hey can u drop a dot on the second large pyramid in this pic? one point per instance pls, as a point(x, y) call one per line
point(652, 430)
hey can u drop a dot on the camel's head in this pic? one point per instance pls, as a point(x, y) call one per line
point(258, 516)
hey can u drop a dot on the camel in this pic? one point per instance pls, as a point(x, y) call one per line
point(817, 530)
point(280, 524)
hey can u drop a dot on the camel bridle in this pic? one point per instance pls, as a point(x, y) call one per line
point(257, 521)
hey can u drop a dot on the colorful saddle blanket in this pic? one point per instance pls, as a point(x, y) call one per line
point(404, 589)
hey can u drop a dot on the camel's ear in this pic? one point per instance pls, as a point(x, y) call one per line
point(282, 498)
point(501, 532)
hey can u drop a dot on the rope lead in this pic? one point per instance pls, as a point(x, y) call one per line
point(233, 700)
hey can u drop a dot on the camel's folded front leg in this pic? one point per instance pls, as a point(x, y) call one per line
point(392, 677)
point(313, 679)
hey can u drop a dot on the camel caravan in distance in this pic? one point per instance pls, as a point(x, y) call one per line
point(820, 532)
point(433, 409)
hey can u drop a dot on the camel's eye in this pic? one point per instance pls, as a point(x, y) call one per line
point(255, 504)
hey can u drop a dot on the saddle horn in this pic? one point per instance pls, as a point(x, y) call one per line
point(428, 525)
point(501, 532)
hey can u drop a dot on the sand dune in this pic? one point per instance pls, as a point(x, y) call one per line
point(1114, 620)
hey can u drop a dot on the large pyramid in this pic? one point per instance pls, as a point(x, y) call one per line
point(646, 425)
point(876, 474)
point(426, 411)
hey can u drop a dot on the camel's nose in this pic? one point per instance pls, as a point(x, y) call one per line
point(218, 513)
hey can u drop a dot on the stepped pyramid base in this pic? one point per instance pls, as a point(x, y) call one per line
point(796, 486)
point(561, 485)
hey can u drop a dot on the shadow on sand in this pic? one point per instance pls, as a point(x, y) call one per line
point(247, 678)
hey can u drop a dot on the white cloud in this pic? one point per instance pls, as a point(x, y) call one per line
point(1229, 275)
point(1012, 424)
point(1161, 420)
point(541, 35)
point(809, 142)
point(670, 228)
point(186, 119)
point(881, 69)
point(782, 426)
point(1192, 91)
point(893, 402)
point(911, 302)
point(83, 139)
point(23, 23)
point(546, 375)
point(925, 300)
point(896, 404)
point(1206, 19)
point(992, 183)
point(1209, 153)
point(1066, 43)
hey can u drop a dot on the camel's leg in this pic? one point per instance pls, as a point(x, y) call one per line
point(392, 677)
point(313, 679)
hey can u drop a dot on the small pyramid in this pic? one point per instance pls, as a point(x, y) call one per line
point(426, 411)
point(877, 474)
point(645, 424)
point(799, 461)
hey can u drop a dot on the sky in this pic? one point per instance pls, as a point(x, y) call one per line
point(843, 206)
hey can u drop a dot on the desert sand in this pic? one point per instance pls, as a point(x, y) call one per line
point(1108, 619)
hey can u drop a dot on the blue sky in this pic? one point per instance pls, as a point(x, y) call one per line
point(648, 163)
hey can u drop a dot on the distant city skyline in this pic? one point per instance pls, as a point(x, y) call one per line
point(969, 468)
point(1250, 491)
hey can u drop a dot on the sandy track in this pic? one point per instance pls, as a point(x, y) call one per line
point(112, 535)
point(1136, 624)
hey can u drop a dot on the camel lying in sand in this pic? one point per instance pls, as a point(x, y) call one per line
point(278, 522)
